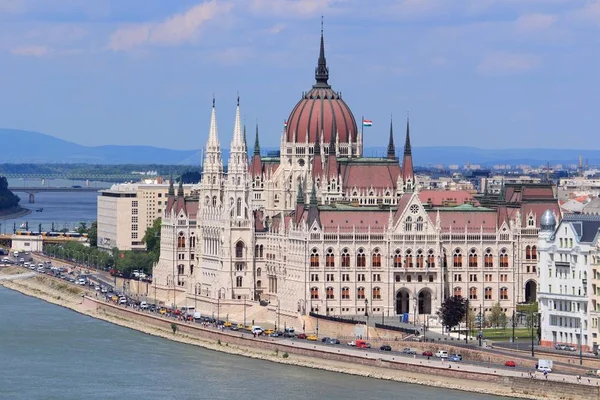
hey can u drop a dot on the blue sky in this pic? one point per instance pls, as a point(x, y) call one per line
point(487, 73)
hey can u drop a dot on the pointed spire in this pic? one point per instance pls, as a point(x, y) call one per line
point(322, 72)
point(171, 187)
point(213, 135)
point(237, 127)
point(300, 198)
point(407, 148)
point(313, 195)
point(180, 188)
point(256, 143)
point(391, 151)
point(245, 142)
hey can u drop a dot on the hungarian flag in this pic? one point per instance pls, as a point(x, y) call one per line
point(367, 122)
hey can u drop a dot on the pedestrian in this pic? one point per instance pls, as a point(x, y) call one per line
point(546, 374)
point(536, 366)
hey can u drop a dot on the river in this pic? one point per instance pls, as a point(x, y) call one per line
point(49, 352)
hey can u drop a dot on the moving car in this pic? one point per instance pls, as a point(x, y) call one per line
point(408, 350)
point(386, 347)
point(312, 338)
point(441, 354)
point(361, 344)
point(301, 336)
point(455, 357)
point(428, 353)
point(510, 363)
point(333, 341)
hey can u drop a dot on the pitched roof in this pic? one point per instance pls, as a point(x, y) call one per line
point(586, 226)
point(370, 175)
point(440, 198)
point(472, 218)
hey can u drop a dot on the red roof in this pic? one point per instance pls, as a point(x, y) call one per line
point(473, 220)
point(377, 176)
point(348, 220)
point(441, 198)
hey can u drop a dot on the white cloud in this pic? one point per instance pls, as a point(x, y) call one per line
point(177, 29)
point(290, 8)
point(507, 63)
point(535, 22)
point(31, 51)
point(275, 29)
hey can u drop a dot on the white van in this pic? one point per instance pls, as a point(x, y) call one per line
point(188, 311)
point(441, 354)
point(257, 329)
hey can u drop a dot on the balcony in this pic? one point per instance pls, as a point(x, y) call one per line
point(563, 264)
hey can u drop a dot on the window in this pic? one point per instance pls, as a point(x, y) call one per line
point(457, 277)
point(504, 293)
point(314, 258)
point(239, 249)
point(330, 258)
point(360, 277)
point(473, 258)
point(473, 293)
point(430, 278)
point(503, 277)
point(329, 277)
point(419, 278)
point(258, 284)
point(361, 259)
point(408, 260)
point(488, 293)
point(345, 259)
point(457, 258)
point(488, 277)
point(472, 277)
point(528, 253)
point(420, 258)
point(134, 220)
point(181, 241)
point(134, 203)
point(360, 293)
point(408, 278)
point(238, 281)
point(376, 259)
point(239, 267)
point(419, 224)
point(314, 277)
point(534, 252)
point(457, 291)
point(134, 227)
point(180, 269)
point(329, 293)
point(345, 277)
point(345, 293)
point(503, 259)
point(376, 293)
point(314, 293)
point(134, 235)
point(488, 259)
point(408, 224)
point(376, 277)
point(430, 259)
point(397, 259)
point(258, 272)
point(239, 207)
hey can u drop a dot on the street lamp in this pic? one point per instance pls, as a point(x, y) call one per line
point(366, 308)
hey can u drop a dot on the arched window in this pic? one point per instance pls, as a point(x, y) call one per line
point(345, 293)
point(330, 258)
point(258, 284)
point(397, 259)
point(408, 224)
point(361, 259)
point(457, 258)
point(181, 241)
point(473, 293)
point(258, 272)
point(531, 221)
point(314, 293)
point(376, 258)
point(408, 259)
point(488, 259)
point(314, 258)
point(214, 201)
point(214, 180)
point(360, 293)
point(430, 259)
point(376, 293)
point(238, 281)
point(239, 249)
point(488, 293)
point(503, 259)
point(504, 293)
point(534, 252)
point(457, 291)
point(420, 259)
point(329, 293)
point(472, 258)
point(239, 207)
point(528, 253)
point(345, 259)
point(419, 224)
point(207, 201)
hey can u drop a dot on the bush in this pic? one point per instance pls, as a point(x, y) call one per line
point(174, 327)
point(219, 342)
point(285, 355)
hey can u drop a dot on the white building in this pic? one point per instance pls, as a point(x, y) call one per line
point(565, 295)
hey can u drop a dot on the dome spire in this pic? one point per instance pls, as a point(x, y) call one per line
point(322, 72)
point(256, 143)
point(391, 150)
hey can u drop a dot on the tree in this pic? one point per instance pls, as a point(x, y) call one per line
point(495, 315)
point(453, 311)
point(82, 228)
point(152, 239)
point(190, 177)
point(471, 319)
point(93, 234)
point(503, 322)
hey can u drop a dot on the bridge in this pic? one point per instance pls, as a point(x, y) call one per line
point(79, 176)
point(32, 190)
point(6, 240)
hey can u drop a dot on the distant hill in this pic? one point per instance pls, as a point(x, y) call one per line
point(37, 148)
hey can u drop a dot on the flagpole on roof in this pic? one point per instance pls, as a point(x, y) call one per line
point(362, 130)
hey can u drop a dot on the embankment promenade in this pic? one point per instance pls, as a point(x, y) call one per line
point(300, 353)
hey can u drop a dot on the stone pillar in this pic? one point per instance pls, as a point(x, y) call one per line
point(31, 198)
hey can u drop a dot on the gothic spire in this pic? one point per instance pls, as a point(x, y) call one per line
point(313, 195)
point(213, 135)
point(391, 150)
point(407, 148)
point(322, 72)
point(256, 143)
point(238, 139)
point(180, 188)
point(171, 188)
point(245, 143)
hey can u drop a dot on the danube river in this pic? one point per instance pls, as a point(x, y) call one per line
point(48, 352)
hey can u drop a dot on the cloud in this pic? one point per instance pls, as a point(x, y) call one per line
point(177, 29)
point(290, 8)
point(535, 22)
point(31, 51)
point(507, 63)
point(275, 29)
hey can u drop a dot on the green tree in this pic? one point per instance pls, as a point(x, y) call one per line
point(82, 228)
point(453, 311)
point(93, 234)
point(152, 239)
point(470, 319)
point(503, 321)
point(495, 315)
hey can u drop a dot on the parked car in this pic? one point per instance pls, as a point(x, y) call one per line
point(441, 354)
point(301, 336)
point(510, 363)
point(428, 353)
point(333, 341)
point(455, 357)
point(408, 350)
point(275, 334)
point(325, 339)
point(352, 343)
point(386, 347)
point(571, 348)
point(312, 338)
point(144, 305)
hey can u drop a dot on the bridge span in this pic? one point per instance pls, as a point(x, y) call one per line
point(32, 190)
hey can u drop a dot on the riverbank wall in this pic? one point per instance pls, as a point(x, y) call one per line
point(299, 354)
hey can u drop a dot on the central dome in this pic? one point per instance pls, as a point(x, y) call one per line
point(321, 110)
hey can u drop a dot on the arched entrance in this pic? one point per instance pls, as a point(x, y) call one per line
point(425, 301)
point(402, 302)
point(531, 291)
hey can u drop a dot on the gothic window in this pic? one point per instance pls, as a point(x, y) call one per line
point(457, 291)
point(430, 259)
point(420, 258)
point(376, 258)
point(345, 259)
point(397, 259)
point(473, 293)
point(258, 272)
point(214, 180)
point(419, 224)
point(376, 293)
point(345, 293)
point(504, 293)
point(180, 269)
point(239, 207)
point(361, 259)
point(503, 259)
point(457, 258)
point(314, 293)
point(314, 258)
point(360, 293)
point(214, 201)
point(329, 293)
point(408, 224)
point(531, 221)
point(488, 293)
point(181, 241)
point(408, 259)
point(534, 252)
point(239, 249)
point(258, 284)
point(528, 253)
point(488, 259)
point(472, 258)
point(193, 242)
point(414, 209)
point(330, 258)
point(207, 201)
point(238, 281)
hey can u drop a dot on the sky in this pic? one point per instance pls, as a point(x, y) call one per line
point(484, 73)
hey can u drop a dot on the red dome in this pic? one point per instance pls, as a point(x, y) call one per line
point(324, 108)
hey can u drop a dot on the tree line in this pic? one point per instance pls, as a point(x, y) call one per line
point(7, 198)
